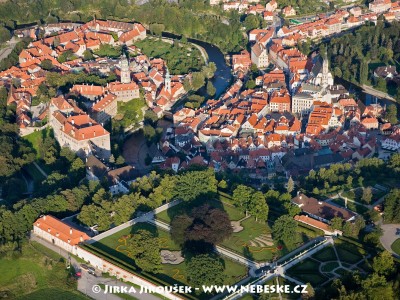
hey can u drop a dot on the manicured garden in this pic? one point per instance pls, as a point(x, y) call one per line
point(330, 266)
point(308, 271)
point(348, 252)
point(326, 254)
point(325, 264)
point(114, 245)
point(253, 241)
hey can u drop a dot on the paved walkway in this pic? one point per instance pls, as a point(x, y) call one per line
point(232, 255)
point(87, 284)
point(389, 236)
point(280, 269)
point(40, 169)
point(4, 52)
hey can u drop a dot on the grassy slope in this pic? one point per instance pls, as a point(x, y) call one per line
point(29, 276)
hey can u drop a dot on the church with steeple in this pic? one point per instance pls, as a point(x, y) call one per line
point(320, 74)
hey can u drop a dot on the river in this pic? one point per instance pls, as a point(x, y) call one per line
point(223, 76)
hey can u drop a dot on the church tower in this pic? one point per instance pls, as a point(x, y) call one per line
point(325, 72)
point(167, 81)
point(125, 73)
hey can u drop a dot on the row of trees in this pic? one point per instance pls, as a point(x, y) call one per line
point(339, 177)
point(147, 193)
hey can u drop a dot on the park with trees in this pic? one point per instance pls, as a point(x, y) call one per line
point(355, 56)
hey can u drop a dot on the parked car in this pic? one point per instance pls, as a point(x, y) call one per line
point(84, 267)
point(92, 271)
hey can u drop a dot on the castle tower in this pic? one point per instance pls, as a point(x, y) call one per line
point(167, 81)
point(125, 73)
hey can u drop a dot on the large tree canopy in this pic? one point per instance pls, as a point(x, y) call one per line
point(144, 248)
point(205, 224)
point(206, 270)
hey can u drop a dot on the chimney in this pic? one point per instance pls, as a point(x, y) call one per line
point(57, 234)
point(70, 230)
point(81, 238)
point(69, 241)
point(44, 218)
point(48, 230)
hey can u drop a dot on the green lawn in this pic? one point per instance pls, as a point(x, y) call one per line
point(170, 213)
point(307, 271)
point(348, 255)
point(360, 209)
point(326, 254)
point(129, 113)
point(330, 266)
point(53, 293)
point(30, 274)
point(396, 246)
point(239, 242)
point(35, 139)
point(244, 242)
point(342, 272)
point(170, 273)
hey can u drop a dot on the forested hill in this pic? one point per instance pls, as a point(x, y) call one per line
point(355, 56)
point(191, 18)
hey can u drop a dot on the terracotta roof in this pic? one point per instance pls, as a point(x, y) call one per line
point(321, 209)
point(60, 230)
point(312, 222)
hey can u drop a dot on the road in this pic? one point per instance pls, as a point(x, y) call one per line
point(10, 46)
point(370, 90)
point(389, 236)
point(87, 282)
